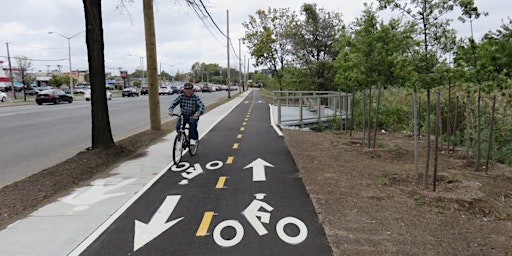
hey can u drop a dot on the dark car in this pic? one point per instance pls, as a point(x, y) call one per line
point(53, 96)
point(175, 89)
point(144, 90)
point(130, 92)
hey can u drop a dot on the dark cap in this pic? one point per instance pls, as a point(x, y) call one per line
point(188, 86)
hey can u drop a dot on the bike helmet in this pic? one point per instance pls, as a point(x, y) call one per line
point(188, 86)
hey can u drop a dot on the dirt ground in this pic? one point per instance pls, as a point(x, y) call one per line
point(370, 202)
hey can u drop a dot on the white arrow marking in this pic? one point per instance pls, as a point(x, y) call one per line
point(258, 169)
point(144, 233)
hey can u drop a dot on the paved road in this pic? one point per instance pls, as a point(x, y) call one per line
point(240, 195)
point(34, 137)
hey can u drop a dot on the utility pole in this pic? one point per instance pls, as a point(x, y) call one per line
point(240, 64)
point(228, 80)
point(154, 101)
point(10, 72)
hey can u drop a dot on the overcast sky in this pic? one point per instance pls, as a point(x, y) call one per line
point(182, 38)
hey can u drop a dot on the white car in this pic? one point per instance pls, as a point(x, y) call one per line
point(3, 97)
point(87, 95)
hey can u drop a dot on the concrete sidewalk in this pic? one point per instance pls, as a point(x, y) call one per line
point(71, 221)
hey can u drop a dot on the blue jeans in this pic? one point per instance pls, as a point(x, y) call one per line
point(192, 122)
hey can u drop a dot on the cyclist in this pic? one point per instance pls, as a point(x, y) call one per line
point(191, 108)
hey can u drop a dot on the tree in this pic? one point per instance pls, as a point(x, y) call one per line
point(436, 40)
point(269, 38)
point(23, 64)
point(314, 45)
point(101, 131)
point(57, 81)
point(370, 57)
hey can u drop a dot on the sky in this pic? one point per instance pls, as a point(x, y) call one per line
point(182, 38)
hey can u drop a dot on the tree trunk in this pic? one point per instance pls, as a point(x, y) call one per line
point(370, 105)
point(154, 100)
point(101, 132)
point(456, 125)
point(364, 117)
point(490, 134)
point(438, 130)
point(376, 118)
point(468, 128)
point(478, 131)
point(427, 163)
point(415, 132)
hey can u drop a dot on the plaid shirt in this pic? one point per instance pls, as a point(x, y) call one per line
point(189, 105)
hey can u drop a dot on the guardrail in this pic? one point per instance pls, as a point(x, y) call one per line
point(302, 108)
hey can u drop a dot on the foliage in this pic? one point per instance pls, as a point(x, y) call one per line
point(57, 81)
point(269, 37)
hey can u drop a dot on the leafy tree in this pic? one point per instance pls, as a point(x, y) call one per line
point(57, 81)
point(436, 39)
point(369, 56)
point(314, 45)
point(268, 35)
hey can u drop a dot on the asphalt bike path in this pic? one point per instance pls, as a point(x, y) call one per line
point(241, 194)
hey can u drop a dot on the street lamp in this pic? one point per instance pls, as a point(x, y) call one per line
point(69, 56)
point(141, 60)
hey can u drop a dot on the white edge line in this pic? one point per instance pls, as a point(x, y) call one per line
point(96, 233)
point(278, 131)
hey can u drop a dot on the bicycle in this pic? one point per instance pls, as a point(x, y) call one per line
point(182, 142)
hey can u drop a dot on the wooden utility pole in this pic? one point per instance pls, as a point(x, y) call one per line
point(151, 61)
point(228, 80)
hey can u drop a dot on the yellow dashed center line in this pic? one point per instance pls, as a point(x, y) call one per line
point(221, 181)
point(235, 146)
point(230, 160)
point(244, 123)
point(205, 223)
point(239, 136)
point(243, 128)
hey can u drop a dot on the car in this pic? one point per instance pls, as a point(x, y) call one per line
point(164, 90)
point(3, 97)
point(130, 92)
point(32, 91)
point(87, 95)
point(175, 89)
point(53, 96)
point(144, 90)
point(207, 88)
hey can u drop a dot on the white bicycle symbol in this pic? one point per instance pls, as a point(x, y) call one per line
point(256, 217)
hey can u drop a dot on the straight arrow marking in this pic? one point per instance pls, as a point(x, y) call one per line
point(144, 233)
point(258, 169)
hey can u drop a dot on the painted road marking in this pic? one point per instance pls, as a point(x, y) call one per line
point(241, 129)
point(258, 169)
point(239, 136)
point(244, 123)
point(221, 181)
point(205, 224)
point(230, 160)
point(235, 146)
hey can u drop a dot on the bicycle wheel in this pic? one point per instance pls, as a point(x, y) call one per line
point(177, 150)
point(193, 148)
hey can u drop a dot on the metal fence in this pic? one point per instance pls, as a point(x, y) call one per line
point(308, 108)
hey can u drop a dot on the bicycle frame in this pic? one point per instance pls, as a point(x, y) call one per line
point(182, 141)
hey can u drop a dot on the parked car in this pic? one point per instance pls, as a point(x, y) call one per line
point(207, 88)
point(3, 97)
point(53, 96)
point(144, 90)
point(32, 91)
point(130, 92)
point(87, 95)
point(164, 90)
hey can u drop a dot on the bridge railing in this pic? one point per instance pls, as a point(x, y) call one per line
point(300, 108)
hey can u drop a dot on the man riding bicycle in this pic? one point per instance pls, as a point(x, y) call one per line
point(191, 108)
